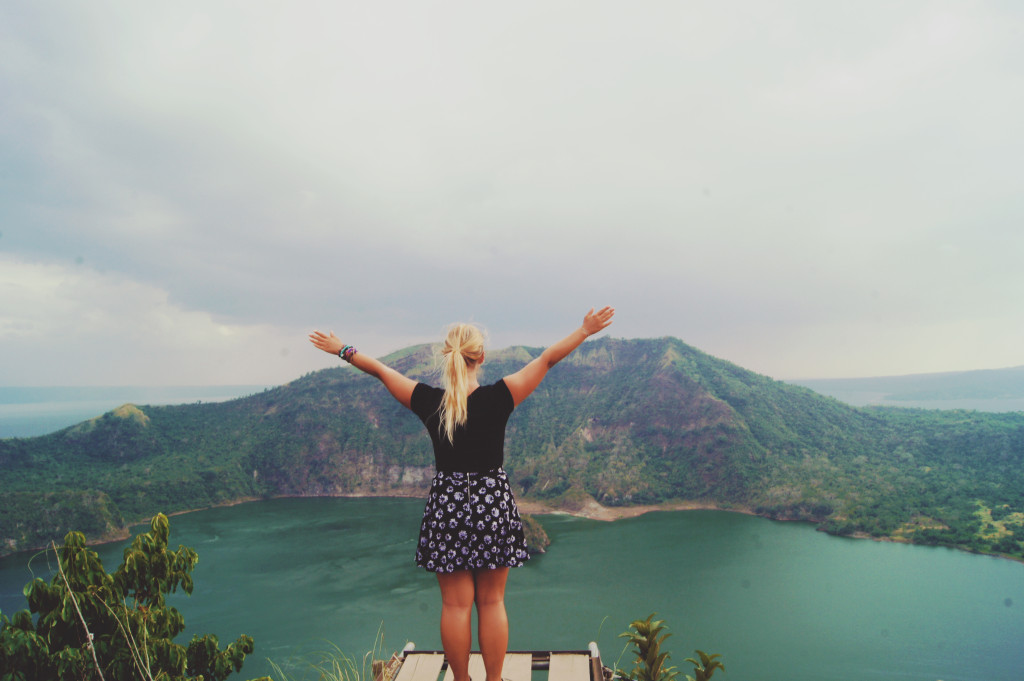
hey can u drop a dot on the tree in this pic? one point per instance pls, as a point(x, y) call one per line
point(94, 625)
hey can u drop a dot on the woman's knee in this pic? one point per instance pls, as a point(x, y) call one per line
point(490, 587)
point(489, 601)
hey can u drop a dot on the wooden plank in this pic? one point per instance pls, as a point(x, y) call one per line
point(517, 667)
point(421, 667)
point(569, 667)
point(476, 668)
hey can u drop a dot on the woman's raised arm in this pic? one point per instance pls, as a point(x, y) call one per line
point(526, 380)
point(398, 385)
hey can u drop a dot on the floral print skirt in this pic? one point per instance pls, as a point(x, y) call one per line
point(470, 522)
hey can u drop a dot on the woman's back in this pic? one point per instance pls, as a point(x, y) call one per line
point(478, 444)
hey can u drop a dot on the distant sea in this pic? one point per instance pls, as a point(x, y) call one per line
point(842, 391)
point(994, 390)
point(31, 411)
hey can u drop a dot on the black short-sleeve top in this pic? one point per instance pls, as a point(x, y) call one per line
point(479, 444)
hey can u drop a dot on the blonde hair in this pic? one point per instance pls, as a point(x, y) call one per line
point(463, 348)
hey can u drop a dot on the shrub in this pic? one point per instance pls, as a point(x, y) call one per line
point(94, 625)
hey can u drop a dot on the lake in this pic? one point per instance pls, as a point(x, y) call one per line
point(779, 601)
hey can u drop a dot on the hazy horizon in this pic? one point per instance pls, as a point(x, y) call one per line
point(262, 386)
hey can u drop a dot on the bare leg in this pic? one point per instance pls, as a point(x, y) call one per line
point(492, 621)
point(457, 589)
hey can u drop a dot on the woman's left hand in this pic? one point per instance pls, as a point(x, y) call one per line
point(328, 343)
point(597, 321)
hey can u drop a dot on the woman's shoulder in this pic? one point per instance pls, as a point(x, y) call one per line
point(498, 386)
point(425, 389)
point(499, 391)
point(425, 398)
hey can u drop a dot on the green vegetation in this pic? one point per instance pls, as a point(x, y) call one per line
point(651, 661)
point(537, 540)
point(618, 422)
point(32, 519)
point(333, 664)
point(92, 625)
point(705, 667)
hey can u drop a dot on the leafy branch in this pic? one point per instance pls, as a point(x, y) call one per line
point(705, 668)
point(651, 661)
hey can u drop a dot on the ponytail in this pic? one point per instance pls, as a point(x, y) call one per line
point(463, 349)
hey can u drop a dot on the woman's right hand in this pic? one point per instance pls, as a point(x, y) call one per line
point(597, 321)
point(328, 343)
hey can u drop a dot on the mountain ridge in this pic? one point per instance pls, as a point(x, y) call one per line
point(619, 422)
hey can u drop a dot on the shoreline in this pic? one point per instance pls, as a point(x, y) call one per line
point(591, 510)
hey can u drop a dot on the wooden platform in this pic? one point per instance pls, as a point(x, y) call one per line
point(565, 665)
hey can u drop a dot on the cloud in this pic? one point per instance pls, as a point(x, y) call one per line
point(73, 326)
point(764, 182)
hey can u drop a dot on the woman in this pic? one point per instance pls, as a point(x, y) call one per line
point(471, 532)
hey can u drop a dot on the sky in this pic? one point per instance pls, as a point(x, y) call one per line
point(806, 189)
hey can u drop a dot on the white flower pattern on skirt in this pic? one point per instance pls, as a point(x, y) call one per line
point(470, 522)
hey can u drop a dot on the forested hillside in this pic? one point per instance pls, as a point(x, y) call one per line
point(621, 422)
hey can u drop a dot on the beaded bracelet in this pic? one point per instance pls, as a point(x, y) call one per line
point(347, 352)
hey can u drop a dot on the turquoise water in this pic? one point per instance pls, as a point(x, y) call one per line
point(779, 601)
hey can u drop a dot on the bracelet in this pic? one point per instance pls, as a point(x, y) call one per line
point(347, 352)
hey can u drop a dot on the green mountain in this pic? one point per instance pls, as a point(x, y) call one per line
point(622, 422)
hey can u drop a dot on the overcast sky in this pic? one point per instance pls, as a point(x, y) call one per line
point(807, 189)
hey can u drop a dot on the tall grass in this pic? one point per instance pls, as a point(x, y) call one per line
point(334, 664)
